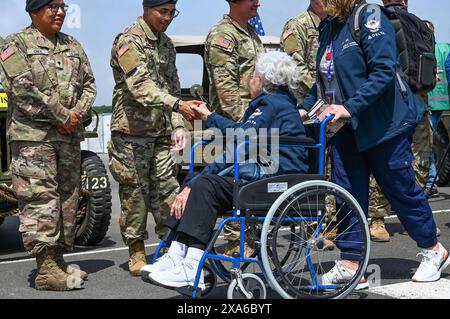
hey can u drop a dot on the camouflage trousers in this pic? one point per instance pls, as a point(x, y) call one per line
point(379, 206)
point(146, 173)
point(46, 179)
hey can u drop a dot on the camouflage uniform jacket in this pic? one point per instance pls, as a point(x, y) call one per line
point(147, 84)
point(43, 82)
point(300, 39)
point(230, 55)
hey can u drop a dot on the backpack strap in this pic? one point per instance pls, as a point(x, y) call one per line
point(355, 29)
point(355, 22)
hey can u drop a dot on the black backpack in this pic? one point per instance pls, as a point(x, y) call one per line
point(415, 43)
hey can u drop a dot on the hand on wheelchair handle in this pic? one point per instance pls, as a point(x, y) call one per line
point(179, 203)
point(339, 112)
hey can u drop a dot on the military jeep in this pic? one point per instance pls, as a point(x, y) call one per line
point(94, 212)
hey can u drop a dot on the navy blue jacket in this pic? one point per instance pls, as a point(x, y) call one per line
point(367, 78)
point(276, 110)
point(447, 68)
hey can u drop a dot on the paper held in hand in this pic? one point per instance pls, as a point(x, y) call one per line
point(317, 115)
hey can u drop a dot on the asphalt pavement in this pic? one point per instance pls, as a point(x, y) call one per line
point(390, 268)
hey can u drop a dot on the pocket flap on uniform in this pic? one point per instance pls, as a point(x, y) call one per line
point(28, 171)
point(399, 164)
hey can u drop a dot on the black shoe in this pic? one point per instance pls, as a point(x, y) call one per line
point(430, 192)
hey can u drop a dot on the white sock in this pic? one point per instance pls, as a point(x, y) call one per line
point(177, 249)
point(194, 254)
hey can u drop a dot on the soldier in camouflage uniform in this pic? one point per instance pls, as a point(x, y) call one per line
point(145, 106)
point(51, 89)
point(300, 39)
point(231, 49)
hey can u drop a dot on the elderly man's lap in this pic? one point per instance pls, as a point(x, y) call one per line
point(210, 196)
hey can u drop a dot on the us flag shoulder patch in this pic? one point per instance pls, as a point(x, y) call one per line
point(286, 34)
point(7, 54)
point(123, 50)
point(223, 43)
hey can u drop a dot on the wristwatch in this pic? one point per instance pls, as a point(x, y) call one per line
point(176, 106)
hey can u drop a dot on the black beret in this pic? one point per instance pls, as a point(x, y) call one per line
point(35, 4)
point(155, 3)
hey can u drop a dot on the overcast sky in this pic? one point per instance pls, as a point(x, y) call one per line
point(99, 22)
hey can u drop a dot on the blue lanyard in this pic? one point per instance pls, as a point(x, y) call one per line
point(329, 58)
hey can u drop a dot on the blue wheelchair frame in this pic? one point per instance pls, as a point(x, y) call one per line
point(237, 261)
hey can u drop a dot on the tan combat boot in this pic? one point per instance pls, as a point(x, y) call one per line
point(233, 247)
point(66, 268)
point(51, 277)
point(378, 232)
point(137, 258)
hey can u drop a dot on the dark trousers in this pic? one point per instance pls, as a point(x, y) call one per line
point(390, 164)
point(210, 197)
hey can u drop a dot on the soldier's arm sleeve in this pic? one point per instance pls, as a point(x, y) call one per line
point(295, 43)
point(87, 89)
point(174, 87)
point(18, 82)
point(133, 62)
point(224, 73)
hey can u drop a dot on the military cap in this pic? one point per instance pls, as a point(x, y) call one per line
point(35, 4)
point(155, 3)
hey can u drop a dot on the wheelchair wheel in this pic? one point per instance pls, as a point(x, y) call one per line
point(252, 288)
point(304, 207)
point(222, 268)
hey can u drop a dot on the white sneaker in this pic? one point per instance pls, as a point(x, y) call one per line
point(432, 264)
point(166, 262)
point(181, 276)
point(341, 275)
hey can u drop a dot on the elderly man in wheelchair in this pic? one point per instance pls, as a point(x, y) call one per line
point(289, 250)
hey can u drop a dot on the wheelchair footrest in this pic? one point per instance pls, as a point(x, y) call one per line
point(188, 290)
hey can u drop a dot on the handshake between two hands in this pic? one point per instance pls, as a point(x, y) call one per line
point(194, 110)
point(191, 111)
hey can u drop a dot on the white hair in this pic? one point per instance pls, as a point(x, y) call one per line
point(277, 69)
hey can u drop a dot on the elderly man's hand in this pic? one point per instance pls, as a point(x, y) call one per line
point(201, 110)
point(179, 204)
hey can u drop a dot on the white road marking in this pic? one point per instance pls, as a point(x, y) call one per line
point(94, 252)
point(9, 262)
point(411, 290)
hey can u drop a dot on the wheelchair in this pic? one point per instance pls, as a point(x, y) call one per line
point(288, 218)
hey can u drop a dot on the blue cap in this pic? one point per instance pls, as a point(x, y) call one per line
point(155, 3)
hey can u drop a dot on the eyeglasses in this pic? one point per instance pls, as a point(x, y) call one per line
point(54, 7)
point(168, 13)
